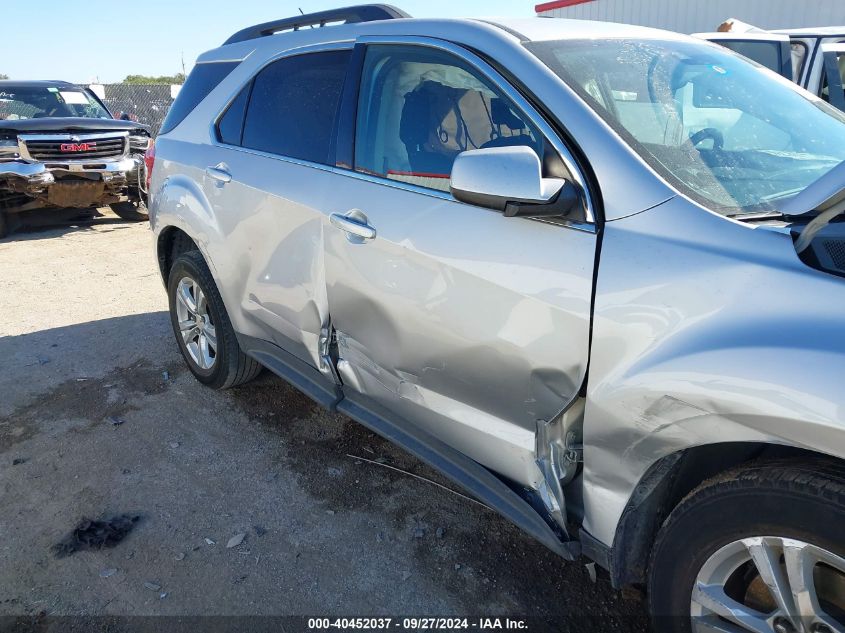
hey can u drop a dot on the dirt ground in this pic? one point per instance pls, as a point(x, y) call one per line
point(99, 417)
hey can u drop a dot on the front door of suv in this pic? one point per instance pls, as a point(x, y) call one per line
point(469, 324)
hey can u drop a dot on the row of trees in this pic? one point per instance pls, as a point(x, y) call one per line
point(178, 78)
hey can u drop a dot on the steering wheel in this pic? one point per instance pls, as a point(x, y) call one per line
point(709, 132)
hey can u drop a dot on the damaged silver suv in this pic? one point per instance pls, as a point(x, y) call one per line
point(592, 272)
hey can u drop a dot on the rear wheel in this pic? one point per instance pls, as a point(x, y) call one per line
point(132, 211)
point(202, 326)
point(758, 549)
point(4, 226)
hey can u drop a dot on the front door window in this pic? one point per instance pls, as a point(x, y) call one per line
point(419, 108)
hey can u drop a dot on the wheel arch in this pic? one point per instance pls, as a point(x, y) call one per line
point(172, 241)
point(663, 487)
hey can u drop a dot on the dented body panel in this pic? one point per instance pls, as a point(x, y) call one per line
point(268, 257)
point(696, 342)
point(468, 323)
point(567, 359)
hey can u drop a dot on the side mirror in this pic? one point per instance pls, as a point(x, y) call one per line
point(510, 179)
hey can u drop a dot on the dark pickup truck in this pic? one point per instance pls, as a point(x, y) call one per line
point(60, 147)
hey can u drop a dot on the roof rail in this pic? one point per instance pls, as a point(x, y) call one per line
point(349, 15)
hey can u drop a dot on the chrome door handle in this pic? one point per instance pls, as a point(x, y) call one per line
point(355, 224)
point(218, 173)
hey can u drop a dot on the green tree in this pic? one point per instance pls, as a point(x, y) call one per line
point(178, 78)
point(2, 76)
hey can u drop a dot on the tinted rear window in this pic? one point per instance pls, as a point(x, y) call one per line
point(231, 124)
point(294, 104)
point(203, 79)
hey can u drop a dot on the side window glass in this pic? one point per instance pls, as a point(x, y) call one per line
point(419, 108)
point(764, 53)
point(294, 104)
point(231, 124)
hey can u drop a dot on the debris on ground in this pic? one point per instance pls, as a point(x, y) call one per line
point(334, 472)
point(259, 531)
point(330, 512)
point(106, 573)
point(406, 575)
point(18, 461)
point(209, 541)
point(115, 421)
point(441, 532)
point(180, 556)
point(95, 534)
point(236, 540)
point(174, 444)
point(166, 376)
point(152, 586)
point(419, 533)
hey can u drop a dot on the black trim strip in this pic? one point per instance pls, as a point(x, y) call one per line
point(295, 371)
point(462, 470)
point(347, 116)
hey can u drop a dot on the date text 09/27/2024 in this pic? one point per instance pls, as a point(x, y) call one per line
point(418, 624)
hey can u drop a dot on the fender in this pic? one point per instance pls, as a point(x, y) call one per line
point(706, 331)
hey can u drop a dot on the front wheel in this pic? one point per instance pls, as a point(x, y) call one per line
point(132, 211)
point(202, 326)
point(758, 549)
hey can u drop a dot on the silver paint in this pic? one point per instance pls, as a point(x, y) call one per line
point(477, 326)
point(706, 330)
point(499, 175)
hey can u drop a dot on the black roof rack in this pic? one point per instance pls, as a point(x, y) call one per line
point(349, 15)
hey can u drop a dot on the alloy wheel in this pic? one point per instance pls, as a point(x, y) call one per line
point(770, 585)
point(196, 324)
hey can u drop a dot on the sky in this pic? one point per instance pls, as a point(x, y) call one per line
point(105, 40)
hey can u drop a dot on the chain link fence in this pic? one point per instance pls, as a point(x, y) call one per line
point(144, 103)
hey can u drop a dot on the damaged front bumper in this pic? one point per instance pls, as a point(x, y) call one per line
point(31, 175)
point(28, 185)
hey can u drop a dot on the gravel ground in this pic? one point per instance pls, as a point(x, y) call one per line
point(99, 417)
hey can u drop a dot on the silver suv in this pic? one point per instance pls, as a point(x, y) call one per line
point(591, 272)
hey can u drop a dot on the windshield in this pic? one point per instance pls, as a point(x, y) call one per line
point(26, 102)
point(726, 133)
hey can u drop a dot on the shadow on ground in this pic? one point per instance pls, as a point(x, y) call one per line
point(50, 223)
point(104, 419)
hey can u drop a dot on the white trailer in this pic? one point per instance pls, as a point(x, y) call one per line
point(692, 16)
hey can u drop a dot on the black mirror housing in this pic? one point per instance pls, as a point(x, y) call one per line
point(568, 203)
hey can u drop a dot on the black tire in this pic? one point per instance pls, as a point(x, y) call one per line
point(231, 366)
point(4, 225)
point(132, 211)
point(797, 500)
